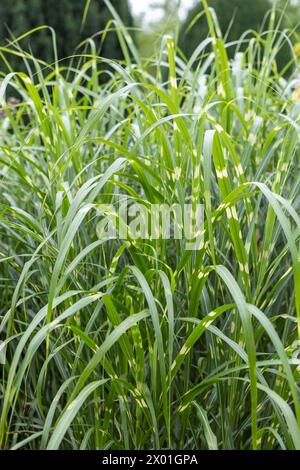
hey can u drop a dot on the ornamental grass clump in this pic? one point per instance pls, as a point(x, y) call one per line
point(141, 343)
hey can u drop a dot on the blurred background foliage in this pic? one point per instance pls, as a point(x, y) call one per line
point(65, 16)
point(235, 18)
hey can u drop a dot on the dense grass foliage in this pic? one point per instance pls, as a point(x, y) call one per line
point(144, 344)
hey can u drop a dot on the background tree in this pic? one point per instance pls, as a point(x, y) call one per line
point(65, 16)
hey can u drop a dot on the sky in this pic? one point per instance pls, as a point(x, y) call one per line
point(152, 12)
